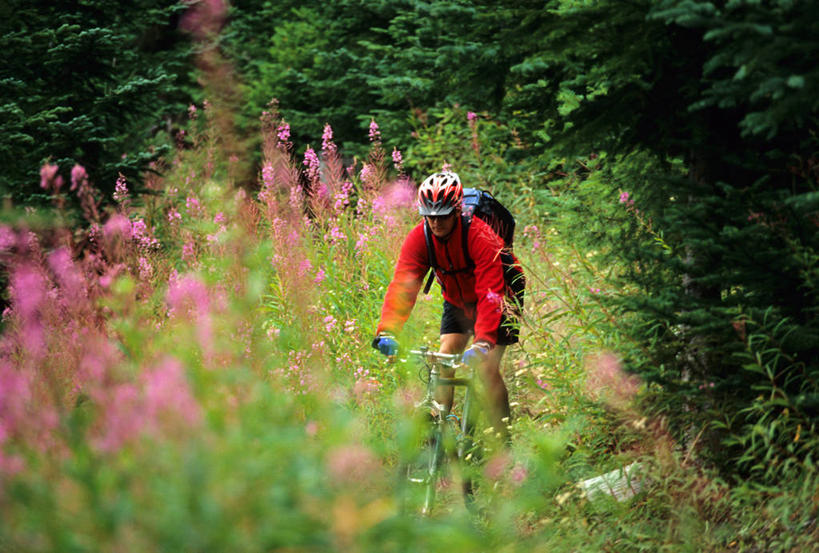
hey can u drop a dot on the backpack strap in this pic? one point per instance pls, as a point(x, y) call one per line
point(431, 255)
point(466, 221)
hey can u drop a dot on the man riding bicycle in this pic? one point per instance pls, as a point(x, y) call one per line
point(477, 299)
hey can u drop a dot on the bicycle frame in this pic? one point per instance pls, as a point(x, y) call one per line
point(433, 362)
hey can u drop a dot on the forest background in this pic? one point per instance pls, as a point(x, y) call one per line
point(661, 158)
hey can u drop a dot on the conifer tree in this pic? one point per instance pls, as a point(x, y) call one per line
point(86, 82)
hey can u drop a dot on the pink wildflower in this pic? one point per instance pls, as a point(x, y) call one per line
point(471, 116)
point(350, 326)
point(311, 160)
point(28, 293)
point(79, 177)
point(304, 267)
point(68, 275)
point(49, 177)
point(167, 392)
point(329, 323)
point(219, 218)
point(117, 226)
point(283, 135)
point(193, 205)
point(7, 238)
point(375, 134)
point(121, 190)
point(143, 236)
point(624, 199)
point(397, 159)
point(188, 297)
point(188, 251)
point(446, 167)
point(320, 276)
point(192, 111)
point(146, 270)
point(336, 235)
point(327, 144)
point(173, 216)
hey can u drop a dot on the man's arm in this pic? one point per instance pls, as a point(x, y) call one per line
point(403, 290)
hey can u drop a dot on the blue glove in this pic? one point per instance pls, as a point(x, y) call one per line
point(476, 353)
point(386, 345)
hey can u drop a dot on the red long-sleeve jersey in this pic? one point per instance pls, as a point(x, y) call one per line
point(478, 292)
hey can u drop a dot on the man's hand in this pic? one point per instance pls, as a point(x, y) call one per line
point(386, 344)
point(476, 353)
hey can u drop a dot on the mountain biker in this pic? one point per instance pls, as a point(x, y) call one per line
point(477, 301)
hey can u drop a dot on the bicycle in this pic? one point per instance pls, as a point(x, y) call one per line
point(424, 468)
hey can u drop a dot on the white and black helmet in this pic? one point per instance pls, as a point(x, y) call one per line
point(440, 194)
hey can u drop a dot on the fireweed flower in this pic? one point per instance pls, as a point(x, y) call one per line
point(146, 270)
point(143, 237)
point(350, 326)
point(283, 136)
point(192, 111)
point(68, 275)
point(375, 134)
point(397, 160)
point(117, 226)
point(28, 293)
point(193, 206)
point(625, 199)
point(166, 390)
point(400, 195)
point(366, 173)
point(49, 177)
point(342, 197)
point(7, 238)
point(327, 144)
point(335, 235)
point(304, 267)
point(329, 323)
point(121, 190)
point(446, 167)
point(79, 177)
point(219, 218)
point(296, 198)
point(311, 160)
point(188, 297)
point(188, 251)
point(471, 116)
point(173, 216)
point(320, 276)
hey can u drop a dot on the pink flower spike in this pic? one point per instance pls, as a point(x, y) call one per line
point(327, 144)
point(48, 174)
point(623, 197)
point(375, 134)
point(397, 159)
point(311, 160)
point(79, 176)
point(471, 116)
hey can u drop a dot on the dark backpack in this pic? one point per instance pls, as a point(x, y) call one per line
point(481, 204)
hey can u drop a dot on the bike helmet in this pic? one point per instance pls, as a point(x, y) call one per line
point(440, 194)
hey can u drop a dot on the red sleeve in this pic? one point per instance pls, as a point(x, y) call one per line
point(413, 264)
point(485, 248)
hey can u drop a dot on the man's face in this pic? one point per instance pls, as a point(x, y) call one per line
point(441, 226)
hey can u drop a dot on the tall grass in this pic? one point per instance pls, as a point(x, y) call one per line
point(190, 370)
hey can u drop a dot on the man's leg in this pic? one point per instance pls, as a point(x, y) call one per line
point(497, 395)
point(450, 343)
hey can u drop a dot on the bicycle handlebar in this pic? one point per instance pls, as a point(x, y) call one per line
point(446, 359)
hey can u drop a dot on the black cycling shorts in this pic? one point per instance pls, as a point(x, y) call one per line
point(455, 321)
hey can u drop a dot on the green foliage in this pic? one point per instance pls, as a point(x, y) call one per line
point(88, 83)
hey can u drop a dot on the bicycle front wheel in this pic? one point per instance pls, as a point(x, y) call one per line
point(421, 472)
